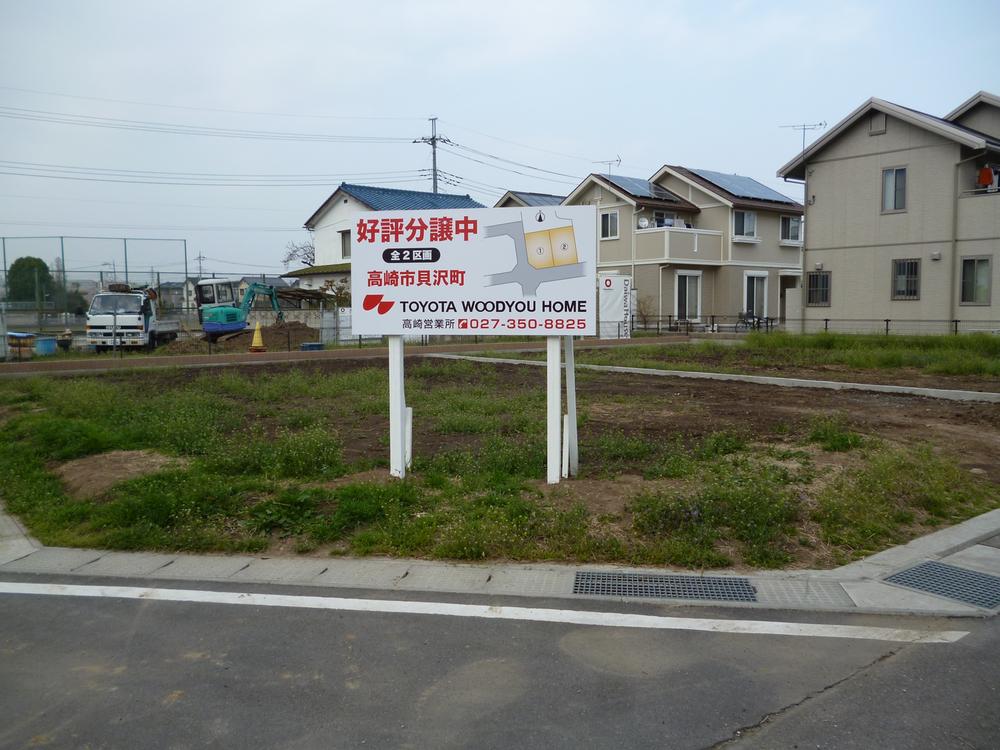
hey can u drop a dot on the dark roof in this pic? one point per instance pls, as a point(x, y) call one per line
point(646, 193)
point(535, 199)
point(992, 141)
point(742, 192)
point(392, 199)
point(320, 270)
point(269, 280)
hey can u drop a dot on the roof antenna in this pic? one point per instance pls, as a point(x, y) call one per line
point(617, 161)
point(804, 127)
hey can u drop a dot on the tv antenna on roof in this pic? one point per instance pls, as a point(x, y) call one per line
point(617, 161)
point(804, 127)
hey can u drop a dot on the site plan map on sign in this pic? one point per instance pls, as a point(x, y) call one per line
point(495, 271)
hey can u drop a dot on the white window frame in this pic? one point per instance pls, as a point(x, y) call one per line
point(906, 189)
point(788, 240)
point(989, 280)
point(745, 237)
point(345, 234)
point(701, 286)
point(617, 233)
point(760, 275)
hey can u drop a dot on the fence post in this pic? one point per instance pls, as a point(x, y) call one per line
point(657, 325)
point(826, 325)
point(955, 325)
point(887, 326)
point(359, 342)
point(288, 340)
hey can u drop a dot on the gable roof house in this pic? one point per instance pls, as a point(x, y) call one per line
point(701, 246)
point(903, 218)
point(331, 226)
point(521, 199)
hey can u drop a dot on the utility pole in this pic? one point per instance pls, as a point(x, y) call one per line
point(433, 141)
point(200, 258)
point(804, 127)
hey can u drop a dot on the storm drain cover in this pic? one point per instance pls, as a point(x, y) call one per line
point(968, 586)
point(642, 585)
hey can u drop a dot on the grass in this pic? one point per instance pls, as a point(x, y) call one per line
point(266, 453)
point(965, 355)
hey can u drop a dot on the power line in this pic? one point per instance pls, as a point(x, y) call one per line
point(32, 223)
point(515, 143)
point(504, 169)
point(325, 183)
point(507, 161)
point(206, 109)
point(198, 175)
point(65, 118)
point(156, 204)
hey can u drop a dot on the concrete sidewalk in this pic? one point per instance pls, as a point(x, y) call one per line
point(860, 587)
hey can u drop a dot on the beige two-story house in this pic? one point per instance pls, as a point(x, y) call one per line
point(903, 219)
point(701, 246)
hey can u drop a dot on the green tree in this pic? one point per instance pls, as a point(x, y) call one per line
point(21, 279)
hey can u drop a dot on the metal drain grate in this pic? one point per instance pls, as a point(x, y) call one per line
point(642, 585)
point(968, 586)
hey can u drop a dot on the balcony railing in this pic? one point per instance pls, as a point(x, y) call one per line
point(676, 243)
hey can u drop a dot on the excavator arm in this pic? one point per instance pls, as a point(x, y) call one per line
point(265, 290)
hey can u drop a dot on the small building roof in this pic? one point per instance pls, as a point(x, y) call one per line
point(393, 199)
point(640, 191)
point(327, 269)
point(982, 97)
point(741, 191)
point(269, 280)
point(532, 199)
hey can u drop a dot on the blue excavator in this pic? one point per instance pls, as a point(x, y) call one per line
point(217, 309)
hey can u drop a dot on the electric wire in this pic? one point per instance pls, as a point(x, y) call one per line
point(207, 109)
point(65, 118)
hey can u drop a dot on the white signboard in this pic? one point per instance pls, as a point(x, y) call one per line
point(615, 295)
point(464, 272)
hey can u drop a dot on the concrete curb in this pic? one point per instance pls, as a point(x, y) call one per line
point(833, 385)
point(855, 588)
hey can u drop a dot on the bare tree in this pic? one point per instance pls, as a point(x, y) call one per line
point(340, 289)
point(303, 252)
point(644, 307)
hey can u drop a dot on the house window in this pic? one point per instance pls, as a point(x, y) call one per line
point(755, 298)
point(876, 123)
point(906, 279)
point(609, 225)
point(894, 189)
point(688, 295)
point(818, 288)
point(791, 229)
point(664, 219)
point(976, 281)
point(345, 244)
point(745, 223)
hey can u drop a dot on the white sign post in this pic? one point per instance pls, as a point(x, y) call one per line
point(615, 299)
point(488, 272)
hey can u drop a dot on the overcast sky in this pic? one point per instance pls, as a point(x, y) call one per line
point(556, 86)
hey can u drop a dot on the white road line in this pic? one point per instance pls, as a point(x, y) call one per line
point(533, 614)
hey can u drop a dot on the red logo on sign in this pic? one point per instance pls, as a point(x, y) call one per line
point(372, 301)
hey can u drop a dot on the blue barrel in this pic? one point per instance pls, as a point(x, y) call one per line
point(311, 346)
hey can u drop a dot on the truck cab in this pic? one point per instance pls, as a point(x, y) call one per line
point(126, 318)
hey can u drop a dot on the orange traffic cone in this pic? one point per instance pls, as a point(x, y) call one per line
point(257, 345)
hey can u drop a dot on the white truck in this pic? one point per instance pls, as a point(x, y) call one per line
point(125, 318)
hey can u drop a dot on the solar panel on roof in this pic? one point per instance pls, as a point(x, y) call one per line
point(743, 187)
point(641, 188)
point(540, 199)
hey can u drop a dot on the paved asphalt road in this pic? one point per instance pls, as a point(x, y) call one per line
point(82, 672)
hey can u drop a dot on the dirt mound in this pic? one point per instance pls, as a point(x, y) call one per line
point(277, 338)
point(89, 477)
